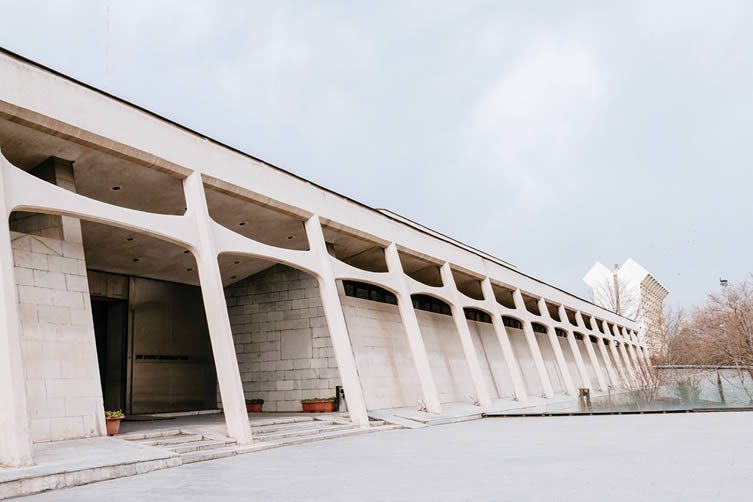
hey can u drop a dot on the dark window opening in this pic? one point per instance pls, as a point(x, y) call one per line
point(560, 332)
point(587, 321)
point(593, 339)
point(477, 315)
point(578, 336)
point(371, 292)
point(430, 304)
point(538, 328)
point(511, 322)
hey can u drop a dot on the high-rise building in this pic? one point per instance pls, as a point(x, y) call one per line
point(630, 290)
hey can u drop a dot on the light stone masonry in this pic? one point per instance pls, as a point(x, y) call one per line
point(281, 338)
point(57, 337)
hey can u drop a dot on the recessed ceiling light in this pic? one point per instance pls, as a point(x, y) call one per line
point(291, 237)
point(186, 251)
point(116, 188)
point(189, 269)
point(233, 276)
point(135, 260)
point(242, 223)
point(237, 262)
point(130, 238)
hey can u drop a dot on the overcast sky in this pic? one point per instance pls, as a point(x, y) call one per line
point(550, 134)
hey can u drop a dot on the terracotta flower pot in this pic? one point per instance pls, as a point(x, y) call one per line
point(254, 407)
point(113, 426)
point(319, 407)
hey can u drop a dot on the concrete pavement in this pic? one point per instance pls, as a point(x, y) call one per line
point(674, 457)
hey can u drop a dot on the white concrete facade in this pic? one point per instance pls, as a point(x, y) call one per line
point(442, 358)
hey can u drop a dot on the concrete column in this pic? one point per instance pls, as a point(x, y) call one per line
point(15, 434)
point(461, 324)
point(516, 376)
point(591, 352)
point(613, 377)
point(625, 359)
point(557, 348)
point(582, 371)
point(618, 362)
point(629, 364)
point(646, 363)
point(546, 384)
point(413, 331)
point(220, 333)
point(338, 330)
point(640, 370)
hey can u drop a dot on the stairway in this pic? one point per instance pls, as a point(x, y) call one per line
point(195, 446)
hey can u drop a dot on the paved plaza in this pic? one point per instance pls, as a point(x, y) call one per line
point(706, 456)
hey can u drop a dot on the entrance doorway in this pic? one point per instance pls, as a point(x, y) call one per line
point(110, 318)
point(153, 345)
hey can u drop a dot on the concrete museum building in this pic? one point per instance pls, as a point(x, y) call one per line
point(147, 268)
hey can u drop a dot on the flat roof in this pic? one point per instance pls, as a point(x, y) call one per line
point(383, 213)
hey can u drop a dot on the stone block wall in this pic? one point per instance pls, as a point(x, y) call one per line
point(281, 338)
point(57, 339)
point(382, 354)
point(385, 363)
point(525, 360)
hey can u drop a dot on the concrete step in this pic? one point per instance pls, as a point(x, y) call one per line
point(352, 431)
point(204, 455)
point(168, 441)
point(307, 431)
point(303, 426)
point(279, 421)
point(260, 445)
point(207, 444)
point(287, 427)
point(135, 436)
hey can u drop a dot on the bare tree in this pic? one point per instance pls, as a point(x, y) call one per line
point(722, 329)
point(668, 345)
point(617, 295)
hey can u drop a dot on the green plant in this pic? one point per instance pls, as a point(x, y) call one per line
point(114, 414)
point(254, 401)
point(319, 400)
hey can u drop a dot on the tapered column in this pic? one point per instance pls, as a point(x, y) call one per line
point(629, 364)
point(413, 331)
point(338, 330)
point(546, 384)
point(15, 435)
point(220, 332)
point(582, 371)
point(646, 364)
point(461, 324)
point(613, 377)
point(518, 385)
point(646, 361)
point(640, 370)
point(618, 361)
point(557, 348)
point(624, 358)
point(591, 353)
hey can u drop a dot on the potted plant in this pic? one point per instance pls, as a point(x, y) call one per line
point(319, 404)
point(254, 405)
point(113, 418)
